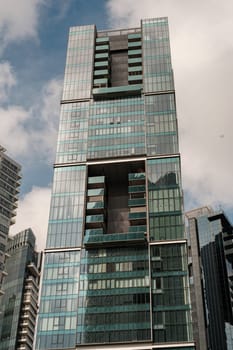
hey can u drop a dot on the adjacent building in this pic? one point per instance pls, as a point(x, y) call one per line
point(211, 277)
point(9, 189)
point(115, 269)
point(19, 304)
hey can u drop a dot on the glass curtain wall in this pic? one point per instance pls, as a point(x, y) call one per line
point(116, 209)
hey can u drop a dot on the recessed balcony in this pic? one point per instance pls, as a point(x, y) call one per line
point(136, 189)
point(115, 239)
point(126, 90)
point(137, 218)
point(94, 221)
point(95, 207)
point(137, 202)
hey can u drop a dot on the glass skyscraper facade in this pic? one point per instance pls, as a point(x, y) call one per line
point(211, 275)
point(19, 304)
point(115, 268)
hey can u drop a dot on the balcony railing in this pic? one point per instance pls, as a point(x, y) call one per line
point(114, 239)
point(137, 202)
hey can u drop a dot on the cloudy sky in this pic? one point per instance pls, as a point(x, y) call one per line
point(33, 39)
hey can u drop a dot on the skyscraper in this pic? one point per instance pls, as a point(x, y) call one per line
point(211, 274)
point(19, 303)
point(115, 272)
point(9, 189)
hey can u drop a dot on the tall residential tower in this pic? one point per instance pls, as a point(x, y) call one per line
point(115, 272)
point(9, 189)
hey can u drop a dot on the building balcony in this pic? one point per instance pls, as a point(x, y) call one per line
point(24, 324)
point(33, 269)
point(101, 56)
point(12, 221)
point(101, 64)
point(28, 317)
point(134, 70)
point(94, 218)
point(30, 299)
point(31, 280)
point(137, 189)
point(95, 192)
point(126, 90)
point(29, 308)
point(103, 82)
point(135, 53)
point(101, 73)
point(134, 44)
point(94, 232)
point(101, 48)
point(136, 176)
point(137, 218)
point(137, 202)
point(95, 207)
point(132, 37)
point(13, 213)
point(23, 331)
point(23, 339)
point(137, 61)
point(132, 79)
point(229, 253)
point(138, 228)
point(94, 221)
point(121, 239)
point(102, 40)
point(26, 333)
point(96, 181)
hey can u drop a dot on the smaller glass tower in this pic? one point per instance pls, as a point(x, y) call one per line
point(211, 277)
point(19, 303)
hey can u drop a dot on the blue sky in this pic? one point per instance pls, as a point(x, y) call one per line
point(37, 61)
point(33, 40)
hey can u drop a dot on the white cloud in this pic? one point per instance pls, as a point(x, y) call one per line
point(32, 132)
point(47, 112)
point(202, 55)
point(13, 135)
point(18, 20)
point(7, 80)
point(33, 211)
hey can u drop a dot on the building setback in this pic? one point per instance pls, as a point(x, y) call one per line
point(115, 271)
point(211, 276)
point(19, 303)
point(9, 189)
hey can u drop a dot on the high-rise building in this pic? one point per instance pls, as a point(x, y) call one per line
point(9, 189)
point(115, 271)
point(19, 304)
point(211, 278)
